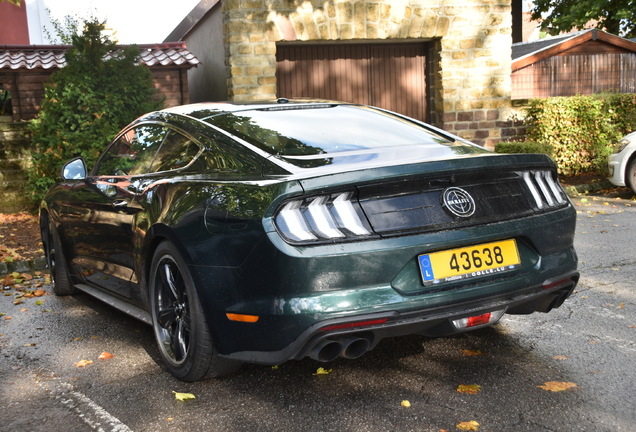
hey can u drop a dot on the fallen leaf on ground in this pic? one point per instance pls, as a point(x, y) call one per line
point(620, 306)
point(39, 293)
point(26, 276)
point(23, 310)
point(275, 367)
point(472, 352)
point(469, 388)
point(77, 338)
point(8, 318)
point(632, 326)
point(183, 396)
point(29, 344)
point(17, 302)
point(560, 357)
point(105, 355)
point(38, 303)
point(556, 386)
point(83, 363)
point(406, 404)
point(468, 426)
point(322, 371)
point(94, 337)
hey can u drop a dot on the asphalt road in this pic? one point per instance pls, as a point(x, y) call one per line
point(593, 336)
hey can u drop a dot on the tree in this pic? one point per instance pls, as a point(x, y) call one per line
point(87, 102)
point(614, 16)
point(64, 30)
point(15, 2)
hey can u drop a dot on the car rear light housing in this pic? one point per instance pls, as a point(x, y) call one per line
point(478, 320)
point(322, 218)
point(545, 191)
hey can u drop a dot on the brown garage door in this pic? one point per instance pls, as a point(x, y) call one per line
point(387, 76)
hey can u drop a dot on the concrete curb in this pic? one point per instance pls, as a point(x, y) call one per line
point(23, 266)
point(574, 191)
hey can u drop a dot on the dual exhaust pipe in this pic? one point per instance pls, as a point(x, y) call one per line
point(349, 347)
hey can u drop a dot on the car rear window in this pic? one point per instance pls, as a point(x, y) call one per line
point(322, 129)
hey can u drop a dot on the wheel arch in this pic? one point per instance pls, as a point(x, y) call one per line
point(631, 159)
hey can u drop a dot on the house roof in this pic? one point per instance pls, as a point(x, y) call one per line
point(52, 56)
point(191, 20)
point(526, 53)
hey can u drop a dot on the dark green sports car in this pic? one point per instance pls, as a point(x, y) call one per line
point(275, 231)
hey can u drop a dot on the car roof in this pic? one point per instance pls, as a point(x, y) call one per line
point(208, 109)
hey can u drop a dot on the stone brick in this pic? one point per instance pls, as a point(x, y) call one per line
point(466, 134)
point(345, 12)
point(503, 124)
point(373, 12)
point(407, 12)
point(482, 134)
point(359, 21)
point(253, 70)
point(324, 32)
point(333, 30)
point(310, 26)
point(235, 71)
point(473, 126)
point(234, 38)
point(267, 80)
point(459, 55)
point(466, 43)
point(492, 115)
point(443, 24)
point(508, 132)
point(346, 31)
point(245, 49)
point(462, 105)
point(479, 115)
point(240, 80)
point(268, 49)
point(416, 27)
point(486, 125)
point(495, 20)
point(385, 11)
point(450, 117)
point(269, 70)
point(482, 53)
point(461, 126)
point(465, 116)
point(479, 142)
point(331, 11)
point(258, 37)
point(319, 16)
point(428, 28)
point(372, 31)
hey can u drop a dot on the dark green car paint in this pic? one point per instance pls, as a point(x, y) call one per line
point(220, 216)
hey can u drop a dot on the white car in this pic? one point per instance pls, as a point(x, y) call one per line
point(622, 163)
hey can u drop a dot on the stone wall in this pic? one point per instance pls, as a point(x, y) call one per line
point(15, 158)
point(472, 75)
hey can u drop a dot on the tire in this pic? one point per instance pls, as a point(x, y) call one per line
point(630, 175)
point(56, 262)
point(181, 331)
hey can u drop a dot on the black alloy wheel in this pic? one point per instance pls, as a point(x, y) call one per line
point(55, 260)
point(172, 324)
point(181, 330)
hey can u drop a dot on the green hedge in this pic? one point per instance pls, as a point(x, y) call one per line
point(524, 147)
point(581, 129)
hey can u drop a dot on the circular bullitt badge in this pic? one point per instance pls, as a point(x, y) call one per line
point(458, 202)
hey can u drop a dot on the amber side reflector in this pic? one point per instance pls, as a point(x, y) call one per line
point(242, 318)
point(354, 324)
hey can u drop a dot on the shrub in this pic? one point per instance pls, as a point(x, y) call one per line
point(86, 103)
point(578, 128)
point(524, 147)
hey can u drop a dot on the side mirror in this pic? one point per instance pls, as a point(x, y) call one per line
point(75, 169)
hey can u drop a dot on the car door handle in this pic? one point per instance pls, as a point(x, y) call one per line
point(119, 204)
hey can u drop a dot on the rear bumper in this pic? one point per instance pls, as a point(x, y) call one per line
point(428, 322)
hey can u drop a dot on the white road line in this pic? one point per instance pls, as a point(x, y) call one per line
point(90, 413)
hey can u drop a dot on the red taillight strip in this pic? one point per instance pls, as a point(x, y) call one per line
point(552, 285)
point(354, 324)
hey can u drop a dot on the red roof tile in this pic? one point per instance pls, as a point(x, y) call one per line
point(52, 56)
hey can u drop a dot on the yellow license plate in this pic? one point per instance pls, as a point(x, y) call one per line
point(472, 261)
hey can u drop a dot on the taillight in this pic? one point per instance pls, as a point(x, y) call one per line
point(324, 217)
point(543, 188)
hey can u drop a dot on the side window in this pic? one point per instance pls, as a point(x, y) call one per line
point(176, 152)
point(133, 153)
